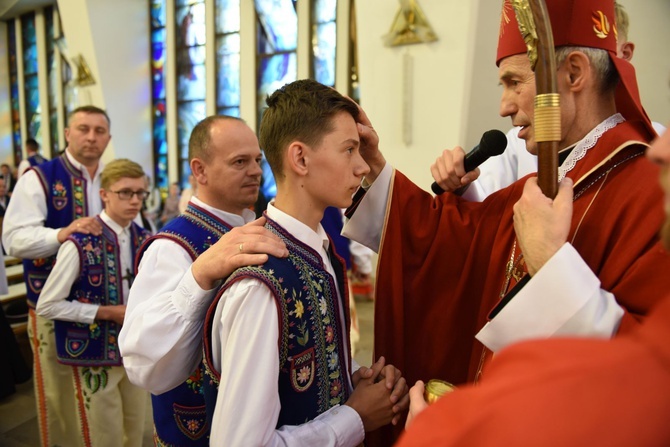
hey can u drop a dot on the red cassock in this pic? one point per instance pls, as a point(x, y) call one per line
point(442, 260)
point(562, 392)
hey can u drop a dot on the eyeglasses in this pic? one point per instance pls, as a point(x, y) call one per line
point(127, 194)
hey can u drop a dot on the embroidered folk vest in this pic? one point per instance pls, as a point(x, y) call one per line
point(313, 374)
point(100, 282)
point(179, 414)
point(36, 159)
point(65, 190)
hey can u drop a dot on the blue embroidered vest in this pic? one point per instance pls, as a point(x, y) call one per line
point(333, 223)
point(36, 159)
point(179, 414)
point(100, 282)
point(65, 191)
point(313, 374)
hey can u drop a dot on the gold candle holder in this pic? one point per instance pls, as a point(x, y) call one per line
point(437, 388)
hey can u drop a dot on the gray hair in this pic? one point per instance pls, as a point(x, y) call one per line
point(607, 77)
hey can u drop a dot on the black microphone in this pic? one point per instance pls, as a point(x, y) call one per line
point(493, 143)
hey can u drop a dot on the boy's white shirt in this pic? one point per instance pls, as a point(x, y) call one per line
point(53, 303)
point(244, 346)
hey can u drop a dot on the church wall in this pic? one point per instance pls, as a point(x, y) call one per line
point(113, 37)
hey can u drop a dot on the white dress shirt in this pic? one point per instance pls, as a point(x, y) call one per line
point(22, 168)
point(53, 302)
point(24, 234)
point(161, 337)
point(244, 348)
point(547, 306)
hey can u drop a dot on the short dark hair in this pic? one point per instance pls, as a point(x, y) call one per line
point(90, 110)
point(198, 142)
point(32, 144)
point(299, 111)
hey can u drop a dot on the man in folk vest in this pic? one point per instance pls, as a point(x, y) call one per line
point(52, 201)
point(180, 269)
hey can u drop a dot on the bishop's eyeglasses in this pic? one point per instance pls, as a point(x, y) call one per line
point(127, 194)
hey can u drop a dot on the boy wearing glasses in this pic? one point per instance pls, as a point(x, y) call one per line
point(87, 305)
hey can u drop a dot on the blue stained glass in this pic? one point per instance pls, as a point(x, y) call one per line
point(160, 144)
point(324, 53)
point(228, 74)
point(158, 44)
point(28, 29)
point(30, 60)
point(33, 94)
point(158, 15)
point(158, 84)
point(191, 55)
point(158, 56)
point(49, 25)
point(227, 16)
point(185, 173)
point(230, 111)
point(325, 11)
point(228, 82)
point(32, 106)
point(275, 72)
point(14, 90)
point(279, 22)
point(268, 185)
point(188, 115)
point(191, 25)
point(29, 44)
point(191, 83)
point(228, 44)
point(160, 128)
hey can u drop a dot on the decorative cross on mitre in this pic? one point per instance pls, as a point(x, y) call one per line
point(409, 26)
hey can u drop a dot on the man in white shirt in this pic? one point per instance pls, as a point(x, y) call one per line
point(51, 201)
point(33, 157)
point(182, 266)
point(277, 355)
point(85, 297)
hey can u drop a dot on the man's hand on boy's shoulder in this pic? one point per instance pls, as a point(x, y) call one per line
point(249, 244)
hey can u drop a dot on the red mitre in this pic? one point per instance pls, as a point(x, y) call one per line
point(580, 23)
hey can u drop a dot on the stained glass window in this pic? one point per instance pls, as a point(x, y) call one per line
point(354, 92)
point(160, 152)
point(14, 91)
point(31, 87)
point(228, 57)
point(53, 81)
point(277, 38)
point(324, 40)
point(191, 84)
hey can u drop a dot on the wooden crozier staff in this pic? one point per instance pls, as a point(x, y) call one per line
point(535, 28)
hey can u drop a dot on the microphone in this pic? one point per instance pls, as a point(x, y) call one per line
point(493, 143)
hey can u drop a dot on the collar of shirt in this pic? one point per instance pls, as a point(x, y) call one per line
point(118, 229)
point(317, 240)
point(83, 168)
point(233, 219)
